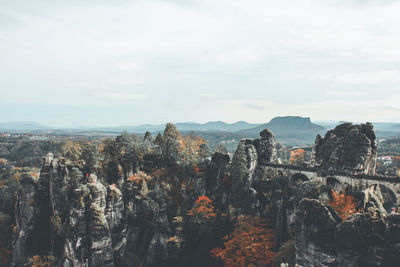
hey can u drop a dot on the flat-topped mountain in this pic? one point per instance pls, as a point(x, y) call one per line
point(289, 130)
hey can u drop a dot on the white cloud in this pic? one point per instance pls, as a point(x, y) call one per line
point(330, 109)
point(64, 52)
point(345, 93)
point(119, 96)
point(376, 77)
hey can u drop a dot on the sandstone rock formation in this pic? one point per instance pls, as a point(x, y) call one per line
point(61, 215)
point(25, 216)
point(315, 227)
point(80, 222)
point(348, 147)
point(144, 219)
point(250, 154)
point(266, 147)
point(247, 168)
point(323, 239)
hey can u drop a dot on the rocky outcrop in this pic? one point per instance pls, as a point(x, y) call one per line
point(266, 147)
point(116, 218)
point(348, 147)
point(250, 155)
point(315, 228)
point(363, 239)
point(243, 170)
point(244, 163)
point(99, 235)
point(392, 241)
point(25, 217)
point(148, 229)
point(77, 221)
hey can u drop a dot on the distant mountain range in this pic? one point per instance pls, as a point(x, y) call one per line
point(290, 130)
point(22, 126)
point(395, 128)
point(212, 126)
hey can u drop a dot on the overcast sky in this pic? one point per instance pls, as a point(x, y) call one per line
point(102, 62)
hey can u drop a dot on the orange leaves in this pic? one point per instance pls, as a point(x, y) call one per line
point(344, 205)
point(249, 244)
point(139, 177)
point(41, 261)
point(297, 156)
point(198, 170)
point(159, 173)
point(203, 208)
point(189, 147)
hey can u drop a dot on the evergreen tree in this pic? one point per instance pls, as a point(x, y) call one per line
point(158, 142)
point(203, 152)
point(221, 148)
point(90, 154)
point(171, 143)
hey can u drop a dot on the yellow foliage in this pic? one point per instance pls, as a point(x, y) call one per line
point(41, 261)
point(297, 156)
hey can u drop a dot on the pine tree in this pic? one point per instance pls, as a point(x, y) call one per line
point(171, 143)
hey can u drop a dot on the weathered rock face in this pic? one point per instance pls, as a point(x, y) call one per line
point(266, 147)
point(98, 228)
point(348, 147)
point(116, 218)
point(147, 225)
point(392, 241)
point(78, 223)
point(243, 170)
point(251, 154)
point(25, 216)
point(217, 171)
point(244, 163)
point(364, 239)
point(315, 227)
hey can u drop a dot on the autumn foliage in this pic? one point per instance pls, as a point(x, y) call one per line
point(297, 156)
point(249, 244)
point(159, 173)
point(190, 148)
point(202, 208)
point(139, 177)
point(345, 205)
point(41, 261)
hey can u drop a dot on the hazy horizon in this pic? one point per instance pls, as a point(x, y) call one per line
point(66, 126)
point(113, 63)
